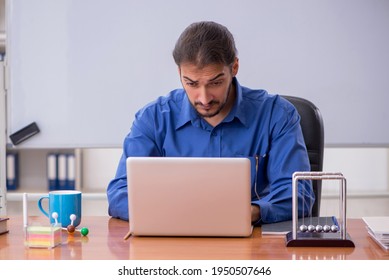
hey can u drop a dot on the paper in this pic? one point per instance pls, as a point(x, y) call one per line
point(378, 225)
point(378, 229)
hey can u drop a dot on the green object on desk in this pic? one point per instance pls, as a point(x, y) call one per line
point(84, 231)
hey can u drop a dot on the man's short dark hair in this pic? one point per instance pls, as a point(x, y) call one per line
point(204, 43)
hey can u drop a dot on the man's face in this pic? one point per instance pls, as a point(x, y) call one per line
point(209, 89)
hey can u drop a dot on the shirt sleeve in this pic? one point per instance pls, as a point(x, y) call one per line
point(117, 193)
point(139, 142)
point(287, 154)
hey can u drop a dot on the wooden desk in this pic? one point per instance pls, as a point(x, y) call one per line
point(105, 241)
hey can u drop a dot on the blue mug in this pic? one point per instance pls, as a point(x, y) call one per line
point(64, 203)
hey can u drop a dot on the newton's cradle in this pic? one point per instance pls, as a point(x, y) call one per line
point(319, 235)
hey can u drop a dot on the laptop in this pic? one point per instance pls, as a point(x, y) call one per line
point(189, 196)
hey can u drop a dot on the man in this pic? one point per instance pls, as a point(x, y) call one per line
point(214, 116)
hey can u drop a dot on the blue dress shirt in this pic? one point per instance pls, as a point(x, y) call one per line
point(262, 127)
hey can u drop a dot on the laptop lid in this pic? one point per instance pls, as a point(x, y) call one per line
point(189, 196)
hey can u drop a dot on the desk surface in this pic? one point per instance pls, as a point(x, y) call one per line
point(105, 241)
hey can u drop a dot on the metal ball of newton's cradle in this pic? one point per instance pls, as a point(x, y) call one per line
point(303, 228)
point(334, 228)
point(326, 228)
point(311, 228)
point(319, 228)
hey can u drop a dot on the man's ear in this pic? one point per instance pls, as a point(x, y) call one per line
point(235, 67)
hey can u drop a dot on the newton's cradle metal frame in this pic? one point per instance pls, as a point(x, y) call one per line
point(319, 235)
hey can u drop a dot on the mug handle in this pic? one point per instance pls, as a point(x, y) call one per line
point(40, 205)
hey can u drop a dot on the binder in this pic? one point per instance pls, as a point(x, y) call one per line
point(61, 171)
point(70, 171)
point(52, 171)
point(12, 170)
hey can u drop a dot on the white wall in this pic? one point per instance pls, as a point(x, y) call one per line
point(366, 171)
point(2, 26)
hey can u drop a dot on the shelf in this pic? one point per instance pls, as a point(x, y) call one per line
point(18, 196)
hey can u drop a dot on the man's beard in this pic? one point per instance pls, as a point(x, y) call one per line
point(213, 102)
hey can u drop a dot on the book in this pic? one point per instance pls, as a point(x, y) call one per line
point(378, 229)
point(4, 225)
point(282, 228)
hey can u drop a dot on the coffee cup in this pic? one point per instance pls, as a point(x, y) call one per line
point(64, 203)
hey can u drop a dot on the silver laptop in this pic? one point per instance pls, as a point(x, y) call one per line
point(186, 196)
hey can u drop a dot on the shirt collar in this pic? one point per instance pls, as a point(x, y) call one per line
point(189, 114)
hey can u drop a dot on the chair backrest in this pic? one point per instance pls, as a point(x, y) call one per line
point(313, 131)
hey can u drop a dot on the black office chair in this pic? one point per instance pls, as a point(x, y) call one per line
point(313, 131)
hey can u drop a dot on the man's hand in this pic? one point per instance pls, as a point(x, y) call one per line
point(255, 213)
